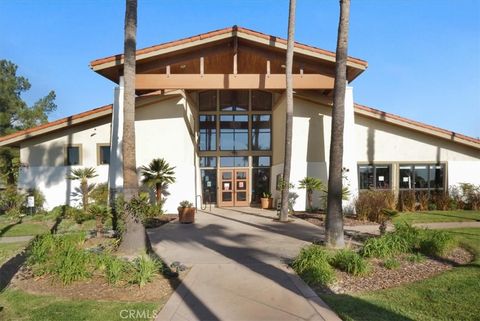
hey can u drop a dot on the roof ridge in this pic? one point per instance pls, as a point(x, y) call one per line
point(213, 33)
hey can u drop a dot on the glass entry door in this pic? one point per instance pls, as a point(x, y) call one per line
point(233, 187)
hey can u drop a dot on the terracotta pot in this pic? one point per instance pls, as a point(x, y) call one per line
point(186, 214)
point(266, 202)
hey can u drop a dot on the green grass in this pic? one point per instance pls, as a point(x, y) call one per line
point(437, 216)
point(23, 229)
point(18, 305)
point(8, 250)
point(453, 295)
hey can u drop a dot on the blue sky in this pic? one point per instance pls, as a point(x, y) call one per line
point(424, 55)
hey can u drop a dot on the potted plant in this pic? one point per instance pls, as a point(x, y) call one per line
point(186, 212)
point(266, 201)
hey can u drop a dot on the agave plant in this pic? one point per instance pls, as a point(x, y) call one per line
point(83, 175)
point(157, 175)
point(311, 184)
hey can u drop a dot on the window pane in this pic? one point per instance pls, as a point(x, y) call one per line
point(73, 155)
point(260, 183)
point(405, 177)
point(421, 176)
point(233, 161)
point(233, 132)
point(208, 132)
point(207, 100)
point(382, 176)
point(104, 155)
point(261, 161)
point(234, 100)
point(365, 174)
point(261, 132)
point(436, 176)
point(210, 161)
point(209, 185)
point(261, 100)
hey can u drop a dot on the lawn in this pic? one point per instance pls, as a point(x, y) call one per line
point(453, 295)
point(8, 250)
point(23, 229)
point(438, 216)
point(18, 305)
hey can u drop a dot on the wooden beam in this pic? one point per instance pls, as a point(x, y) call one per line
point(202, 68)
point(235, 55)
point(230, 81)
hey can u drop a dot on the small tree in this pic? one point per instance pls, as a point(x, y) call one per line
point(311, 184)
point(83, 174)
point(157, 174)
point(101, 213)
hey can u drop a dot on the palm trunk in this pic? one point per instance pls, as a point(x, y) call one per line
point(158, 189)
point(84, 189)
point(334, 220)
point(133, 240)
point(99, 225)
point(310, 199)
point(289, 115)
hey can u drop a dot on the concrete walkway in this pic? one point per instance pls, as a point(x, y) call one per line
point(239, 272)
point(373, 228)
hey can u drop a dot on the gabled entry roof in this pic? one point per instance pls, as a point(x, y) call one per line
point(182, 56)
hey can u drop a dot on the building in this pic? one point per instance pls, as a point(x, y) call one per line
point(213, 106)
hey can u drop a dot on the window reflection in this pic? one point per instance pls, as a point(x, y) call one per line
point(233, 132)
point(234, 100)
point(261, 132)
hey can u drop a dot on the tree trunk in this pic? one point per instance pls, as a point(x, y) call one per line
point(84, 189)
point(334, 221)
point(289, 115)
point(310, 200)
point(158, 190)
point(133, 240)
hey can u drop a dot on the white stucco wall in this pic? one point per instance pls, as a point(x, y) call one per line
point(45, 157)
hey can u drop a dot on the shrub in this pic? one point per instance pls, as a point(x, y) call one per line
point(423, 200)
point(11, 200)
point(385, 246)
point(416, 257)
point(407, 201)
point(441, 200)
point(371, 205)
point(113, 267)
point(99, 194)
point(391, 264)
point(101, 213)
point(312, 264)
point(436, 243)
point(145, 269)
point(350, 262)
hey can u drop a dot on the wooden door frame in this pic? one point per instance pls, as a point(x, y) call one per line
point(234, 202)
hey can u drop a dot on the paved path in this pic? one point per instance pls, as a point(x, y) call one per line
point(15, 239)
point(373, 228)
point(238, 268)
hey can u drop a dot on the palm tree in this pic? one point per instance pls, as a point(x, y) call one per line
point(157, 174)
point(334, 220)
point(289, 117)
point(83, 175)
point(133, 240)
point(311, 184)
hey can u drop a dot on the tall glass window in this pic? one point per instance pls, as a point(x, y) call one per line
point(233, 132)
point(234, 161)
point(208, 132)
point(261, 132)
point(261, 100)
point(207, 100)
point(234, 100)
point(260, 177)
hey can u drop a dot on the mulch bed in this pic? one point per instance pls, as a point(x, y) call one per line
point(96, 288)
point(159, 221)
point(383, 278)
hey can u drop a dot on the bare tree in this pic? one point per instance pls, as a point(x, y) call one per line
point(133, 240)
point(287, 163)
point(334, 221)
